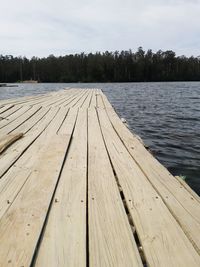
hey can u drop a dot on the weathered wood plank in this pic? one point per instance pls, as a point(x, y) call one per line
point(75, 100)
point(156, 233)
point(16, 177)
point(5, 108)
point(19, 121)
point(28, 212)
point(86, 103)
point(18, 100)
point(106, 102)
point(64, 239)
point(184, 207)
point(67, 102)
point(53, 100)
point(111, 242)
point(100, 103)
point(32, 121)
point(68, 98)
point(187, 187)
point(5, 115)
point(80, 101)
point(14, 152)
point(93, 102)
point(35, 100)
point(14, 116)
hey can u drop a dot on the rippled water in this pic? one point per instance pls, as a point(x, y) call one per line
point(165, 115)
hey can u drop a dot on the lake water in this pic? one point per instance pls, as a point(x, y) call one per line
point(165, 115)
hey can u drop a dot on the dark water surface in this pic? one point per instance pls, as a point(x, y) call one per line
point(165, 115)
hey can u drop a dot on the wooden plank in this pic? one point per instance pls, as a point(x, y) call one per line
point(75, 102)
point(81, 100)
point(46, 98)
point(74, 99)
point(5, 115)
point(5, 108)
point(111, 242)
point(32, 121)
point(64, 239)
point(14, 116)
point(169, 188)
point(86, 103)
point(19, 121)
point(28, 212)
point(67, 98)
point(13, 153)
point(188, 188)
point(24, 99)
point(70, 102)
point(100, 103)
point(8, 140)
point(93, 102)
point(15, 178)
point(16, 100)
point(56, 99)
point(106, 102)
point(73, 96)
point(156, 233)
point(35, 99)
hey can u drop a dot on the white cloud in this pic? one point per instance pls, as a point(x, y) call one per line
point(58, 27)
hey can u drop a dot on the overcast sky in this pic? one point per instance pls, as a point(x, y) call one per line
point(59, 27)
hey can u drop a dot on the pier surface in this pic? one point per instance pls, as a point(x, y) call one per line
point(77, 188)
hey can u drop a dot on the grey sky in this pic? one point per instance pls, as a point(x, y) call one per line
point(43, 27)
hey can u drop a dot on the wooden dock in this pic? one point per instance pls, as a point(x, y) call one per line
point(77, 188)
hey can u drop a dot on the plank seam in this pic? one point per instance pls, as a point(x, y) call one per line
point(18, 116)
point(25, 120)
point(87, 205)
point(167, 206)
point(37, 121)
point(72, 96)
point(6, 210)
point(37, 247)
point(87, 96)
point(62, 121)
point(124, 201)
point(6, 118)
point(28, 146)
point(90, 99)
point(1, 112)
point(80, 99)
point(71, 100)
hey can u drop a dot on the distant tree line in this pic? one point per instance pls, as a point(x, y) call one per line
point(124, 66)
